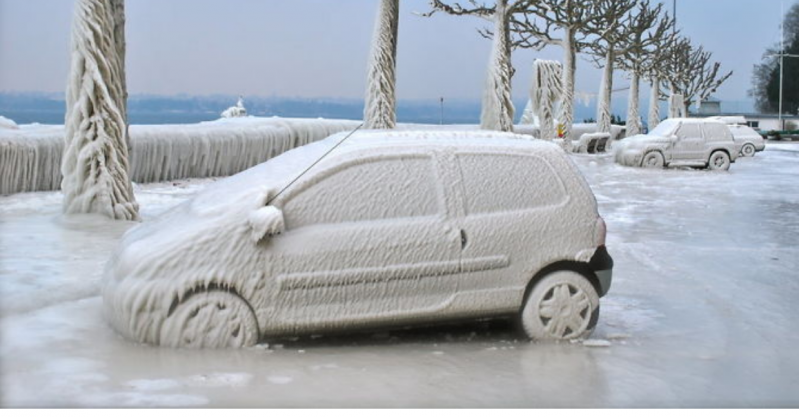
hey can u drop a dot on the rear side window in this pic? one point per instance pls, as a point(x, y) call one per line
point(380, 189)
point(716, 132)
point(689, 131)
point(499, 182)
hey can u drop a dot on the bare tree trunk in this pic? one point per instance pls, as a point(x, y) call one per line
point(633, 106)
point(381, 100)
point(654, 103)
point(603, 116)
point(569, 70)
point(95, 162)
point(498, 110)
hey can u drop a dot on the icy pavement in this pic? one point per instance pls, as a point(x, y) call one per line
point(702, 313)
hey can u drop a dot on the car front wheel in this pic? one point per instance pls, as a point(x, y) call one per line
point(719, 161)
point(748, 150)
point(653, 159)
point(211, 319)
point(563, 305)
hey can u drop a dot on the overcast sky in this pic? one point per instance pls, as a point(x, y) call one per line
point(319, 48)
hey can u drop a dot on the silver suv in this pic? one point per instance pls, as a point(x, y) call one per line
point(695, 143)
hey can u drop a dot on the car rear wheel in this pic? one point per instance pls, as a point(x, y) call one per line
point(211, 319)
point(748, 150)
point(719, 161)
point(563, 305)
point(653, 159)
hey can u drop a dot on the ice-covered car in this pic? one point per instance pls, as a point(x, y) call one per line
point(698, 143)
point(747, 140)
point(388, 229)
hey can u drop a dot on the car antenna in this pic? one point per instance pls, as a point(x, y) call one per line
point(314, 164)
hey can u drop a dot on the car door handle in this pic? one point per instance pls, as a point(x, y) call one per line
point(463, 239)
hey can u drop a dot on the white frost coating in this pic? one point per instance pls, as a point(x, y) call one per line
point(6, 123)
point(545, 92)
point(677, 108)
point(633, 106)
point(592, 143)
point(497, 112)
point(654, 103)
point(266, 222)
point(567, 102)
point(366, 244)
point(30, 157)
point(236, 111)
point(603, 115)
point(381, 101)
point(95, 163)
point(528, 116)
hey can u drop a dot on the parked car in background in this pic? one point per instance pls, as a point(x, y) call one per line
point(747, 140)
point(698, 143)
point(385, 230)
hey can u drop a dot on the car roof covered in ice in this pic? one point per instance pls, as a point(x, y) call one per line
point(363, 140)
point(280, 171)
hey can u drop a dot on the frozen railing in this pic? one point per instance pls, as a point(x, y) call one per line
point(30, 157)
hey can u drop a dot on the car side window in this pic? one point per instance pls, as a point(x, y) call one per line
point(504, 182)
point(689, 131)
point(717, 132)
point(379, 189)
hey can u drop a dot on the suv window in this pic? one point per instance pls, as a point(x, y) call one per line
point(715, 131)
point(689, 131)
point(379, 189)
point(501, 182)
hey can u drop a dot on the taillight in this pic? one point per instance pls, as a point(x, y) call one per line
point(600, 231)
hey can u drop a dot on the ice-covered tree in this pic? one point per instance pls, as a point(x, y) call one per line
point(497, 110)
point(95, 163)
point(650, 30)
point(545, 91)
point(612, 41)
point(564, 23)
point(691, 74)
point(381, 100)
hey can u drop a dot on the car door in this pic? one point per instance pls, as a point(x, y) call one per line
point(690, 145)
point(513, 206)
point(366, 242)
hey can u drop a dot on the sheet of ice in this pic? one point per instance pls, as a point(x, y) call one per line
point(701, 313)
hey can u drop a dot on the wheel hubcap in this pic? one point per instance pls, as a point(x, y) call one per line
point(565, 310)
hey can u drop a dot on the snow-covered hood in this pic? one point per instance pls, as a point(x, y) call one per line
point(641, 142)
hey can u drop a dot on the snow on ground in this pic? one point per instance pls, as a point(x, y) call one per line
point(701, 313)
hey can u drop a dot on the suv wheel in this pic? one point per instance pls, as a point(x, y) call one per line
point(719, 161)
point(563, 305)
point(653, 159)
point(212, 319)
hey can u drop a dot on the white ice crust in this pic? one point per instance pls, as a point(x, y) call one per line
point(344, 274)
point(6, 123)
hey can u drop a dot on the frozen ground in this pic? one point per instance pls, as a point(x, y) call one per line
point(702, 312)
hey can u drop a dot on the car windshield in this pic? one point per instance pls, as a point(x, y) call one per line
point(665, 128)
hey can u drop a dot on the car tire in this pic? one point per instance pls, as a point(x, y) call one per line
point(211, 319)
point(563, 305)
point(748, 150)
point(653, 159)
point(719, 161)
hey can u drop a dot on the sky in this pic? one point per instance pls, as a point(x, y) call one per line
point(319, 48)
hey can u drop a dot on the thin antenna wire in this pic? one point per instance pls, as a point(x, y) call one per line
point(314, 164)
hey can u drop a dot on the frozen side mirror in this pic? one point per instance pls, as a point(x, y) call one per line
point(266, 222)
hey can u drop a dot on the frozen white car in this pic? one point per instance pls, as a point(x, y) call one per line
point(698, 143)
point(747, 140)
point(388, 229)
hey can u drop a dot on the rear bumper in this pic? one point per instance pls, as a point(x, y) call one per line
point(602, 265)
